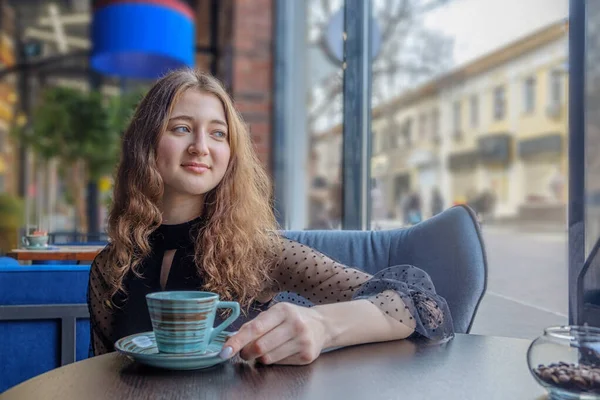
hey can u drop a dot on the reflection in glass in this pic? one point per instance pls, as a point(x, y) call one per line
point(589, 279)
point(592, 123)
point(469, 107)
point(324, 94)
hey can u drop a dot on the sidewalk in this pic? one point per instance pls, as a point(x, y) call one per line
point(496, 225)
point(527, 226)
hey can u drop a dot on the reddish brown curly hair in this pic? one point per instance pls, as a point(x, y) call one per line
point(234, 251)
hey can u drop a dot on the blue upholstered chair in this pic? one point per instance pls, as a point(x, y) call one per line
point(8, 262)
point(448, 247)
point(44, 322)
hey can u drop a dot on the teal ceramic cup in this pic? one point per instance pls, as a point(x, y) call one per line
point(35, 240)
point(183, 321)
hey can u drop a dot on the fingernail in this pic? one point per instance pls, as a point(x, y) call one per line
point(226, 352)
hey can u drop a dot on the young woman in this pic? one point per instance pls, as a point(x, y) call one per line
point(192, 211)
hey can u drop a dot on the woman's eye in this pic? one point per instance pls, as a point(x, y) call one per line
point(220, 134)
point(181, 129)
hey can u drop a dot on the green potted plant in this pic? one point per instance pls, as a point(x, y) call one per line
point(11, 219)
point(82, 131)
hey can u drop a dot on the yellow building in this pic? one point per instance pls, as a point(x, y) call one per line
point(406, 146)
point(513, 129)
point(8, 99)
point(497, 124)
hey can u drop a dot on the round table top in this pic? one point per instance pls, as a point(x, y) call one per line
point(467, 367)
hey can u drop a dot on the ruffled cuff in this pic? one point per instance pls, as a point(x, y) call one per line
point(423, 308)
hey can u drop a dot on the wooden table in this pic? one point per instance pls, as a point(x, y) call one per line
point(468, 367)
point(57, 253)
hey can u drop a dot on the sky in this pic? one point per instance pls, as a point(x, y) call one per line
point(479, 26)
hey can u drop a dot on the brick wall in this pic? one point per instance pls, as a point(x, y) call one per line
point(245, 62)
point(252, 69)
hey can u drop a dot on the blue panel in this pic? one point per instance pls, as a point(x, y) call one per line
point(30, 348)
point(24, 341)
point(44, 285)
point(141, 40)
point(82, 339)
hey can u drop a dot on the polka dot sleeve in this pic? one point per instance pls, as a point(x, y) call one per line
point(404, 292)
point(101, 318)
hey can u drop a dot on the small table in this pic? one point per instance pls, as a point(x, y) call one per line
point(57, 253)
point(468, 367)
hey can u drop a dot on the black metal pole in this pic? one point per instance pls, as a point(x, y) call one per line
point(214, 37)
point(357, 115)
point(24, 101)
point(280, 105)
point(576, 207)
point(93, 209)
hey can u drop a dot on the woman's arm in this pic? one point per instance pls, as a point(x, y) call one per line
point(390, 305)
point(101, 317)
point(358, 322)
point(403, 293)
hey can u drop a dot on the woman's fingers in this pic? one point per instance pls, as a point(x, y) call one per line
point(274, 339)
point(290, 353)
point(284, 334)
point(250, 332)
point(279, 353)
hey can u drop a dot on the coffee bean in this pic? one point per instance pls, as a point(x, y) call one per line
point(585, 373)
point(579, 381)
point(570, 376)
point(564, 378)
point(546, 374)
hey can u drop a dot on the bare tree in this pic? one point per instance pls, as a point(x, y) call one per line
point(410, 52)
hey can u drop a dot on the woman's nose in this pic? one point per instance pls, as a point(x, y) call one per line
point(199, 146)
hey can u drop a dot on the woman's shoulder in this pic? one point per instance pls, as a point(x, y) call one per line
point(100, 263)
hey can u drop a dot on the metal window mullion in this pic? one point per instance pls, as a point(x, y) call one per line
point(576, 207)
point(357, 115)
point(290, 138)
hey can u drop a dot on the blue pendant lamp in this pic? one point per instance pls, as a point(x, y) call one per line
point(142, 39)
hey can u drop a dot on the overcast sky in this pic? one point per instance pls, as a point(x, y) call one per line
point(480, 26)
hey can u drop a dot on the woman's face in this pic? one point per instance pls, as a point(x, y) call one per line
point(193, 153)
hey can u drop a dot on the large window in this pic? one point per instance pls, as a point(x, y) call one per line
point(529, 95)
point(556, 88)
point(313, 53)
point(499, 103)
point(474, 102)
point(457, 118)
point(447, 127)
point(477, 79)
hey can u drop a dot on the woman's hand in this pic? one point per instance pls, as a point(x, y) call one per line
point(284, 334)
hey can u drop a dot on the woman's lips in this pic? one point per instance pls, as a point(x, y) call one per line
point(196, 168)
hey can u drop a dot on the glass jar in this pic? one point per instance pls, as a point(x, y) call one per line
point(565, 360)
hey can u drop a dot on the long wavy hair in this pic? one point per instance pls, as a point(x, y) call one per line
point(234, 249)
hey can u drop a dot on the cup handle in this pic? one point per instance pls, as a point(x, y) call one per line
point(235, 308)
point(25, 241)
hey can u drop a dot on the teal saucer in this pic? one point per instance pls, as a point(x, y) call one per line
point(141, 347)
point(46, 247)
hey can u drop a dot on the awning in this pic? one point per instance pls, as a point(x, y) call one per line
point(463, 160)
point(551, 143)
point(495, 148)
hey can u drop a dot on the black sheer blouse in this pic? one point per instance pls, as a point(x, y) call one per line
point(403, 292)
